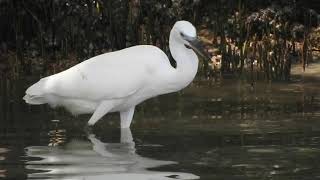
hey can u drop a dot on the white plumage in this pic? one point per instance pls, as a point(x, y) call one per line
point(118, 81)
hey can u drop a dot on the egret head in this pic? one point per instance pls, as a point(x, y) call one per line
point(186, 33)
point(185, 29)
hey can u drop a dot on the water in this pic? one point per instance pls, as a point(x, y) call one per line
point(222, 130)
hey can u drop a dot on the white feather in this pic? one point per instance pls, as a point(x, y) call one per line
point(119, 80)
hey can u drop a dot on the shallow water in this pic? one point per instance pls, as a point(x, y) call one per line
point(222, 130)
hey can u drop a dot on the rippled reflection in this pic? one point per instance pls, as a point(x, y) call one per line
point(94, 160)
point(221, 130)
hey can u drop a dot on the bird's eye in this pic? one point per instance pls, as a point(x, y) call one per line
point(182, 35)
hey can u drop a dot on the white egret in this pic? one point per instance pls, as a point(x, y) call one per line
point(118, 81)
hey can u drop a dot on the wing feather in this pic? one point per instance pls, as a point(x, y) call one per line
point(108, 76)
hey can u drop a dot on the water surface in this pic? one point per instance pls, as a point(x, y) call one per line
point(212, 130)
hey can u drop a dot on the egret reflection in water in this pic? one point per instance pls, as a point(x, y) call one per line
point(96, 160)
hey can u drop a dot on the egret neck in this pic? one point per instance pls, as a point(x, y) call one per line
point(186, 59)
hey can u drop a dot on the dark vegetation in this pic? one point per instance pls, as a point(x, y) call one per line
point(254, 39)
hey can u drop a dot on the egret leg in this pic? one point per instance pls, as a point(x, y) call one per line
point(126, 117)
point(103, 108)
point(99, 146)
point(126, 138)
point(126, 135)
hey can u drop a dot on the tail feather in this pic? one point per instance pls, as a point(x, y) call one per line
point(35, 93)
point(35, 100)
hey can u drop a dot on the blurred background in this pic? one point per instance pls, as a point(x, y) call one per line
point(253, 39)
